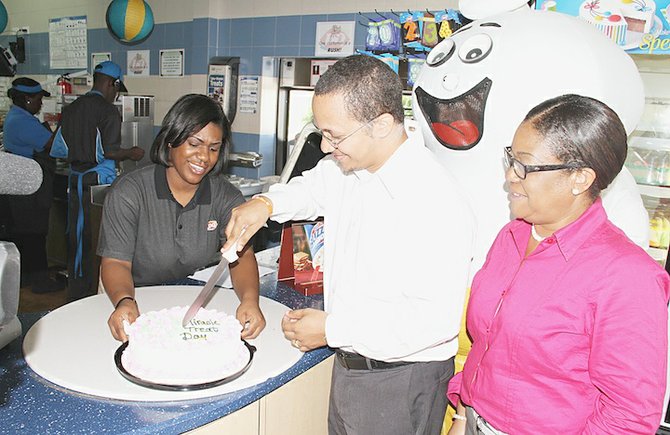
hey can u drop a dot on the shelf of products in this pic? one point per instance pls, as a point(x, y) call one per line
point(649, 161)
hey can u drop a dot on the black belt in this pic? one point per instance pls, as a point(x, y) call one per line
point(354, 361)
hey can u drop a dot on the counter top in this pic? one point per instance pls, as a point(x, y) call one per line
point(29, 404)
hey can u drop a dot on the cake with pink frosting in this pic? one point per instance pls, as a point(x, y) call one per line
point(208, 349)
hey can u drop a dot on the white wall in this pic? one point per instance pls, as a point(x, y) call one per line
point(271, 8)
point(36, 13)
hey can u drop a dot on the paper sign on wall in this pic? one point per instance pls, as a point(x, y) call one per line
point(249, 94)
point(138, 63)
point(334, 38)
point(172, 63)
point(68, 46)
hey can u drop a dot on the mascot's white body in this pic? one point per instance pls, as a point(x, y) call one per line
point(488, 75)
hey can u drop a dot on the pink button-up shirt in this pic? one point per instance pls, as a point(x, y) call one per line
point(571, 339)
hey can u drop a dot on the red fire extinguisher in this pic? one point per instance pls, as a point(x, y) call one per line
point(65, 86)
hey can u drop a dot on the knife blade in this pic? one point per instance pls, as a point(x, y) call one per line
point(228, 256)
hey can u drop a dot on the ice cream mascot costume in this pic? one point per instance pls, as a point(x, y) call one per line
point(477, 86)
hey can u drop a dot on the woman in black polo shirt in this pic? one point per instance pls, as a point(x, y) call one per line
point(162, 222)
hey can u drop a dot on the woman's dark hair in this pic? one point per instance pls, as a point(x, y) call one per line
point(18, 97)
point(190, 114)
point(369, 86)
point(585, 132)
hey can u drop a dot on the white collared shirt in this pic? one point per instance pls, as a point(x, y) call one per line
point(397, 251)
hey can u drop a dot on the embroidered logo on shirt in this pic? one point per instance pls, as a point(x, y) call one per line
point(211, 225)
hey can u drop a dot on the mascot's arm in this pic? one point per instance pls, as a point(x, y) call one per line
point(624, 207)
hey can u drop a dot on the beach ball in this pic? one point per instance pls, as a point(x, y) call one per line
point(3, 17)
point(130, 21)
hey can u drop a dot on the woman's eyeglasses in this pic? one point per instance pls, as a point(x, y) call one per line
point(521, 170)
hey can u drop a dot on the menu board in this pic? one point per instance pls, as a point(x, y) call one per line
point(68, 46)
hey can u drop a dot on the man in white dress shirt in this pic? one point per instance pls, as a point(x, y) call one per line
point(398, 240)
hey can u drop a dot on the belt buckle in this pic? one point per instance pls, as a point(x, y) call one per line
point(342, 357)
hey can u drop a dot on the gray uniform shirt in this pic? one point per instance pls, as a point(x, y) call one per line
point(144, 224)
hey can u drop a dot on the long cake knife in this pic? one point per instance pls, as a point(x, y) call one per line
point(228, 256)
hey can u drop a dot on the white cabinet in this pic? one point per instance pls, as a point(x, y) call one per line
point(299, 407)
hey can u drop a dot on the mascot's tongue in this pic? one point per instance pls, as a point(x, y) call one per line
point(457, 133)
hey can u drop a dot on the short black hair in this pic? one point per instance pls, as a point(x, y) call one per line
point(585, 132)
point(18, 97)
point(190, 114)
point(369, 86)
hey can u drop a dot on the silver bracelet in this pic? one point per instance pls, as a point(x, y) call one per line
point(458, 417)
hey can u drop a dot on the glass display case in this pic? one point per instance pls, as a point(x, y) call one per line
point(649, 162)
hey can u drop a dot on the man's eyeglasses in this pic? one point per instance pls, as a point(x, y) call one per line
point(522, 170)
point(335, 143)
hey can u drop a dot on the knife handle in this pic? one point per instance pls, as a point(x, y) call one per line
point(230, 254)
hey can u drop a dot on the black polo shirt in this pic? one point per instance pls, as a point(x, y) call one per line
point(81, 121)
point(144, 224)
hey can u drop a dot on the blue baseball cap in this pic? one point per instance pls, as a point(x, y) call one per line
point(112, 70)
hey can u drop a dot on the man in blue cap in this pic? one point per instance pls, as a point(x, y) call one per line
point(90, 138)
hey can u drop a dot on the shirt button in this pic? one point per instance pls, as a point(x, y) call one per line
point(179, 227)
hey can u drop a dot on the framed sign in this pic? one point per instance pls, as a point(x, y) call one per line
point(97, 58)
point(172, 63)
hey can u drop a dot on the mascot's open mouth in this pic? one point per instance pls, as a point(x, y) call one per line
point(458, 123)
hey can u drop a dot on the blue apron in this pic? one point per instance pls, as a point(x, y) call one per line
point(106, 170)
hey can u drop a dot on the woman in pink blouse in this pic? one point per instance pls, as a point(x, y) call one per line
point(568, 317)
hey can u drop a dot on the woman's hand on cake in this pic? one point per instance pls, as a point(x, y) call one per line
point(305, 329)
point(250, 316)
point(127, 311)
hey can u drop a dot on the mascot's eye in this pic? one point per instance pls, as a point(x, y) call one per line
point(441, 53)
point(475, 48)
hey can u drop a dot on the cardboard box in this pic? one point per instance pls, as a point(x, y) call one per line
point(301, 257)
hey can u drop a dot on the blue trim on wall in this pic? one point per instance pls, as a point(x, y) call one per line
point(202, 38)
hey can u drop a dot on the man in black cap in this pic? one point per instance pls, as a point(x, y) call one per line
point(90, 138)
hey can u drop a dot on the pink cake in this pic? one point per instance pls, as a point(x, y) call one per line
point(160, 350)
point(615, 18)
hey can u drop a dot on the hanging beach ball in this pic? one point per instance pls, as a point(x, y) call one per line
point(3, 17)
point(131, 21)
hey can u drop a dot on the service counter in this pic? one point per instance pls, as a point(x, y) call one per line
point(296, 401)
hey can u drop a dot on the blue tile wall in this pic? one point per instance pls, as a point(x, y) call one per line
point(264, 29)
point(288, 31)
point(203, 38)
